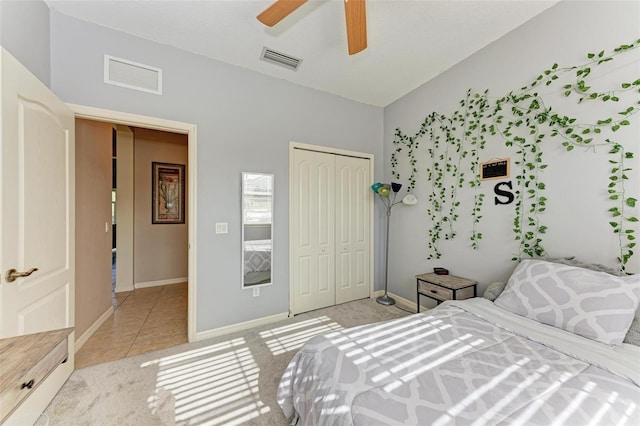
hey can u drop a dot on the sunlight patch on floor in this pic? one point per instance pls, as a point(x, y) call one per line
point(291, 337)
point(213, 385)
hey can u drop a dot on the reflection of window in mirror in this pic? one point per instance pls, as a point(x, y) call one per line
point(257, 220)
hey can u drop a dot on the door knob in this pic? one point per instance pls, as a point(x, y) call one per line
point(13, 275)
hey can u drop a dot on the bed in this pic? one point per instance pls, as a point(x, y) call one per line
point(478, 362)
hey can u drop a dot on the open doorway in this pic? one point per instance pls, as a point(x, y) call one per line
point(146, 291)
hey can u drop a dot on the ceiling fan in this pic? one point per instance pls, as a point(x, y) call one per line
point(355, 14)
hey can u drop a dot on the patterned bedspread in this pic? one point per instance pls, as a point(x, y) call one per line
point(465, 362)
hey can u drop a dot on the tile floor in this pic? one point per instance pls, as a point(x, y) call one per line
point(144, 320)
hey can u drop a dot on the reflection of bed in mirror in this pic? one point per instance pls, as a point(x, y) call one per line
point(257, 262)
point(257, 229)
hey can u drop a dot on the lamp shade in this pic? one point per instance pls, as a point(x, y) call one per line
point(375, 186)
point(409, 199)
point(396, 186)
point(383, 191)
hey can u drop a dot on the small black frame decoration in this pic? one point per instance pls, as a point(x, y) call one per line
point(495, 169)
point(167, 193)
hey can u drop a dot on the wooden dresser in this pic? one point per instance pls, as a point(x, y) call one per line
point(25, 362)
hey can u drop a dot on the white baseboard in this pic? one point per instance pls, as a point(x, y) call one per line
point(203, 335)
point(161, 282)
point(121, 287)
point(87, 334)
point(401, 301)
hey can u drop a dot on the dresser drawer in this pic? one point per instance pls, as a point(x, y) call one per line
point(435, 291)
point(15, 392)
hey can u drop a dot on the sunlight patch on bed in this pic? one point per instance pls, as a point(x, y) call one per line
point(213, 385)
point(418, 371)
point(628, 413)
point(541, 400)
point(487, 417)
point(477, 393)
point(574, 404)
point(458, 408)
point(606, 406)
point(383, 335)
point(403, 346)
point(351, 335)
point(291, 337)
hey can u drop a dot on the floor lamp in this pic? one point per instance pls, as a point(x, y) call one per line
point(384, 191)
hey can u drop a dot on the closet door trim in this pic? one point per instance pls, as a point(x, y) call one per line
point(336, 151)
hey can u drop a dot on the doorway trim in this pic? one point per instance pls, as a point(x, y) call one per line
point(336, 151)
point(128, 119)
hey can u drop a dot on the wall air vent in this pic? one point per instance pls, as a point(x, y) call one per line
point(132, 75)
point(279, 58)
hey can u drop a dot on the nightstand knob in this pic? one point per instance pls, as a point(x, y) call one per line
point(28, 385)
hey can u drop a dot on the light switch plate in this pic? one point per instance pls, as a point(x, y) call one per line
point(256, 291)
point(222, 228)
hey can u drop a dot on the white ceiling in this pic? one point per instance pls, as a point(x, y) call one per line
point(409, 42)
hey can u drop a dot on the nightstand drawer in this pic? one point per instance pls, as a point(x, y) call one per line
point(435, 291)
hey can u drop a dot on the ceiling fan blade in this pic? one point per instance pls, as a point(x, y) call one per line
point(278, 11)
point(356, 17)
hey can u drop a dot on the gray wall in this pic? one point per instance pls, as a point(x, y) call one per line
point(245, 123)
point(24, 32)
point(576, 213)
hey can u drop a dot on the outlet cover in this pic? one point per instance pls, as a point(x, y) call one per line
point(222, 228)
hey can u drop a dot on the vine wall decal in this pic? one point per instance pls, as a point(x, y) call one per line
point(524, 122)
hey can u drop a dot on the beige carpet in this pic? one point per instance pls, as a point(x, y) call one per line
point(228, 380)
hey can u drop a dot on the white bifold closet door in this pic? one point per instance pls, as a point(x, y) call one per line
point(331, 229)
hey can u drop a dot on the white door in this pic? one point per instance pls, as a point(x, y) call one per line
point(331, 229)
point(353, 201)
point(312, 197)
point(36, 206)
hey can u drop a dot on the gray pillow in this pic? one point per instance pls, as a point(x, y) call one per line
point(493, 290)
point(592, 304)
point(633, 335)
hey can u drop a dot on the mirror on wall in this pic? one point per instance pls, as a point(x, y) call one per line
point(257, 228)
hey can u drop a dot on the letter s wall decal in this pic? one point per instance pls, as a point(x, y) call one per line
point(503, 193)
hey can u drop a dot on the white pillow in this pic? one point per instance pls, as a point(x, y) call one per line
point(592, 304)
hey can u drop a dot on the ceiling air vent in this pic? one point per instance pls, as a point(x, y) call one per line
point(281, 59)
point(132, 75)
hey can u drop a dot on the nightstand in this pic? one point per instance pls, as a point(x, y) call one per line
point(444, 287)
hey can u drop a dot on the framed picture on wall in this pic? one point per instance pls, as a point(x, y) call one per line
point(168, 193)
